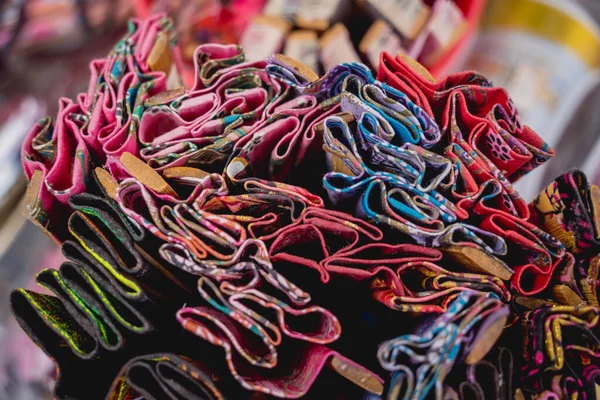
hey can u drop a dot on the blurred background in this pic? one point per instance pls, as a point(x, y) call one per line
point(545, 52)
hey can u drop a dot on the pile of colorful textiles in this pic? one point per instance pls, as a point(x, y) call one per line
point(269, 232)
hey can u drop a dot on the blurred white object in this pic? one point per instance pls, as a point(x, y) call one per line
point(264, 37)
point(446, 24)
point(406, 16)
point(303, 46)
point(336, 47)
point(546, 53)
point(380, 38)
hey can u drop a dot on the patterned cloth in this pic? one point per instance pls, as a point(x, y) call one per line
point(269, 233)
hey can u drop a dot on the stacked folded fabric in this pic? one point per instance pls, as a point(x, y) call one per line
point(268, 230)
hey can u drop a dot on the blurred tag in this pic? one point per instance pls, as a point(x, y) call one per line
point(282, 8)
point(164, 97)
point(173, 78)
point(443, 28)
point(160, 58)
point(336, 47)
point(264, 37)
point(478, 261)
point(108, 183)
point(318, 14)
point(304, 47)
point(407, 16)
point(566, 296)
point(532, 303)
point(302, 69)
point(417, 67)
point(31, 205)
point(146, 175)
point(595, 199)
point(359, 376)
point(184, 172)
point(379, 38)
point(486, 341)
point(519, 395)
point(447, 22)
